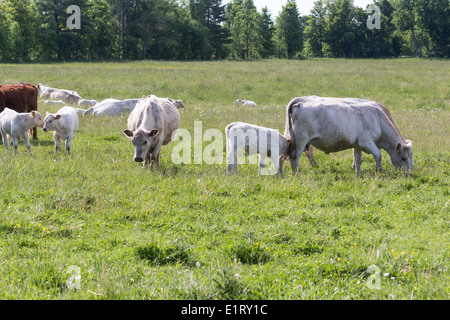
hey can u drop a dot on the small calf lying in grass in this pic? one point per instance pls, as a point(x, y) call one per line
point(14, 125)
point(254, 139)
point(245, 103)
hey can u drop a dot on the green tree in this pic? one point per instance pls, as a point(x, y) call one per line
point(315, 29)
point(4, 36)
point(100, 33)
point(339, 33)
point(211, 14)
point(24, 21)
point(434, 18)
point(289, 31)
point(267, 30)
point(243, 21)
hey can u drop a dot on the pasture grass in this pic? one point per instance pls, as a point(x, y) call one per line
point(191, 232)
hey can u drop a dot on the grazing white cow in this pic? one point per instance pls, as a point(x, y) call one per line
point(14, 125)
point(335, 124)
point(63, 124)
point(51, 103)
point(245, 103)
point(67, 96)
point(150, 126)
point(84, 103)
point(112, 107)
point(254, 139)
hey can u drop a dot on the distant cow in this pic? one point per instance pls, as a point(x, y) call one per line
point(254, 139)
point(63, 124)
point(67, 96)
point(177, 103)
point(21, 97)
point(245, 103)
point(52, 103)
point(334, 124)
point(150, 126)
point(112, 107)
point(84, 103)
point(15, 126)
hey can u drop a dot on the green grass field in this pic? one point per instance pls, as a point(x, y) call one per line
point(192, 232)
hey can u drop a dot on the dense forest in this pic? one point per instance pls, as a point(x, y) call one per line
point(40, 30)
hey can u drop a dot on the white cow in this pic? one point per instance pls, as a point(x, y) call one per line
point(245, 103)
point(335, 124)
point(254, 139)
point(84, 103)
point(150, 126)
point(63, 124)
point(112, 107)
point(15, 126)
point(67, 96)
point(177, 103)
point(52, 103)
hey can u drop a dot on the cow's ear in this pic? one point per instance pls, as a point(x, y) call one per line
point(58, 116)
point(46, 113)
point(128, 133)
point(398, 147)
point(33, 114)
point(153, 133)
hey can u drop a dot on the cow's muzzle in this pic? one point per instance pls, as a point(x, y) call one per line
point(138, 159)
point(45, 129)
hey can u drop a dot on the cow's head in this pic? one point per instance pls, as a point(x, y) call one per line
point(37, 119)
point(143, 141)
point(51, 121)
point(403, 156)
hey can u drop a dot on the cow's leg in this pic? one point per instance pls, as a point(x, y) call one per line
point(69, 144)
point(373, 149)
point(147, 160)
point(232, 160)
point(310, 154)
point(154, 157)
point(33, 133)
point(26, 140)
point(15, 141)
point(295, 155)
point(57, 141)
point(262, 163)
point(6, 140)
point(357, 160)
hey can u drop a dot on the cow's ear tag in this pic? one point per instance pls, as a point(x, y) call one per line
point(58, 116)
point(32, 114)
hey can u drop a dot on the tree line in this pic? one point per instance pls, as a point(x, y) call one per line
point(37, 30)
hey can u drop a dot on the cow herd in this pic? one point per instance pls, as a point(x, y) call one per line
point(328, 124)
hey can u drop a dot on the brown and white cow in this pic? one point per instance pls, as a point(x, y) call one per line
point(335, 124)
point(151, 125)
point(20, 97)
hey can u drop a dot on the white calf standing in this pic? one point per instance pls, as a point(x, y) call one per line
point(245, 103)
point(15, 126)
point(64, 124)
point(255, 140)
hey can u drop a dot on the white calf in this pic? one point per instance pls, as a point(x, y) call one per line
point(245, 103)
point(64, 124)
point(15, 126)
point(255, 140)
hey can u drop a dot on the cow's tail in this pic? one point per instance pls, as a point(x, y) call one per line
point(289, 131)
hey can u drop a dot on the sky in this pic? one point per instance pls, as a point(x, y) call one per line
point(304, 6)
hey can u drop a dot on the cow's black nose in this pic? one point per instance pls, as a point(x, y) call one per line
point(138, 159)
point(45, 129)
